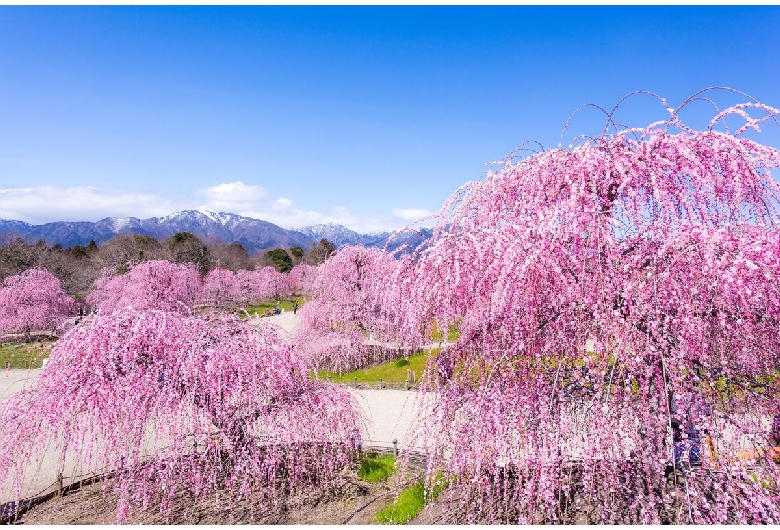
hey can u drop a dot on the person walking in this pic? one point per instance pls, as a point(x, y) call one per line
point(688, 410)
point(357, 441)
point(295, 307)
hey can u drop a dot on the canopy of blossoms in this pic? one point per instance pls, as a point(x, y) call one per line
point(175, 404)
point(33, 300)
point(348, 311)
point(156, 284)
point(616, 301)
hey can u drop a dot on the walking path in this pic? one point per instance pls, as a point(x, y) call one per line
point(288, 322)
point(389, 416)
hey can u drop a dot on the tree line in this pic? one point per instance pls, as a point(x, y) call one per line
point(79, 266)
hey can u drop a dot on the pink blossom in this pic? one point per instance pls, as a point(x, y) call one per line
point(156, 284)
point(175, 402)
point(33, 300)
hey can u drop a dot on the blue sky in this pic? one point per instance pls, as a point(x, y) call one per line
point(368, 117)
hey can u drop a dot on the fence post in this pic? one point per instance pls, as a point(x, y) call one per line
point(395, 448)
point(380, 383)
point(355, 378)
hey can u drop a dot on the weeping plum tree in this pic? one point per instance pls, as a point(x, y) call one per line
point(157, 284)
point(346, 309)
point(301, 278)
point(620, 330)
point(33, 300)
point(173, 404)
point(271, 284)
point(250, 287)
point(220, 288)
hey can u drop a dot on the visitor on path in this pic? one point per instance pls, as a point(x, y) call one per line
point(357, 441)
point(688, 409)
point(774, 433)
point(295, 307)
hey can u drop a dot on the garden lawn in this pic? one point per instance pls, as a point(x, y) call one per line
point(287, 305)
point(25, 355)
point(389, 372)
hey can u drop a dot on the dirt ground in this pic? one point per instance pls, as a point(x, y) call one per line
point(352, 502)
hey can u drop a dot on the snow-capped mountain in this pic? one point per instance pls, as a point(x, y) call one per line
point(337, 234)
point(340, 235)
point(253, 234)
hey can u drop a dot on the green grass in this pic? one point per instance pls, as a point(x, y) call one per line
point(287, 305)
point(453, 333)
point(389, 372)
point(376, 468)
point(24, 355)
point(410, 502)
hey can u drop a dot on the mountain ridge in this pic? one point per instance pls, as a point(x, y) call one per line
point(254, 234)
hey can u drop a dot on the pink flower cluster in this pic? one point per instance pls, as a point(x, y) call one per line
point(594, 287)
point(176, 403)
point(346, 323)
point(33, 300)
point(157, 284)
point(168, 286)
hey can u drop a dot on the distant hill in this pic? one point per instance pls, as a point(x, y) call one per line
point(253, 234)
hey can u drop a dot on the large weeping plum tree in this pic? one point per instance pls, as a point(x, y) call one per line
point(157, 284)
point(619, 350)
point(178, 405)
point(33, 300)
point(346, 311)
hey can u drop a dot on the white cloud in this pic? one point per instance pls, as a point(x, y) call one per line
point(231, 196)
point(44, 204)
point(411, 214)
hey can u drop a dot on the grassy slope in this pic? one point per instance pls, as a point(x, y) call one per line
point(410, 502)
point(375, 468)
point(286, 304)
point(389, 372)
point(24, 355)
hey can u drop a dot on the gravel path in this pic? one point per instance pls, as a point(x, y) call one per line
point(12, 381)
point(287, 322)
